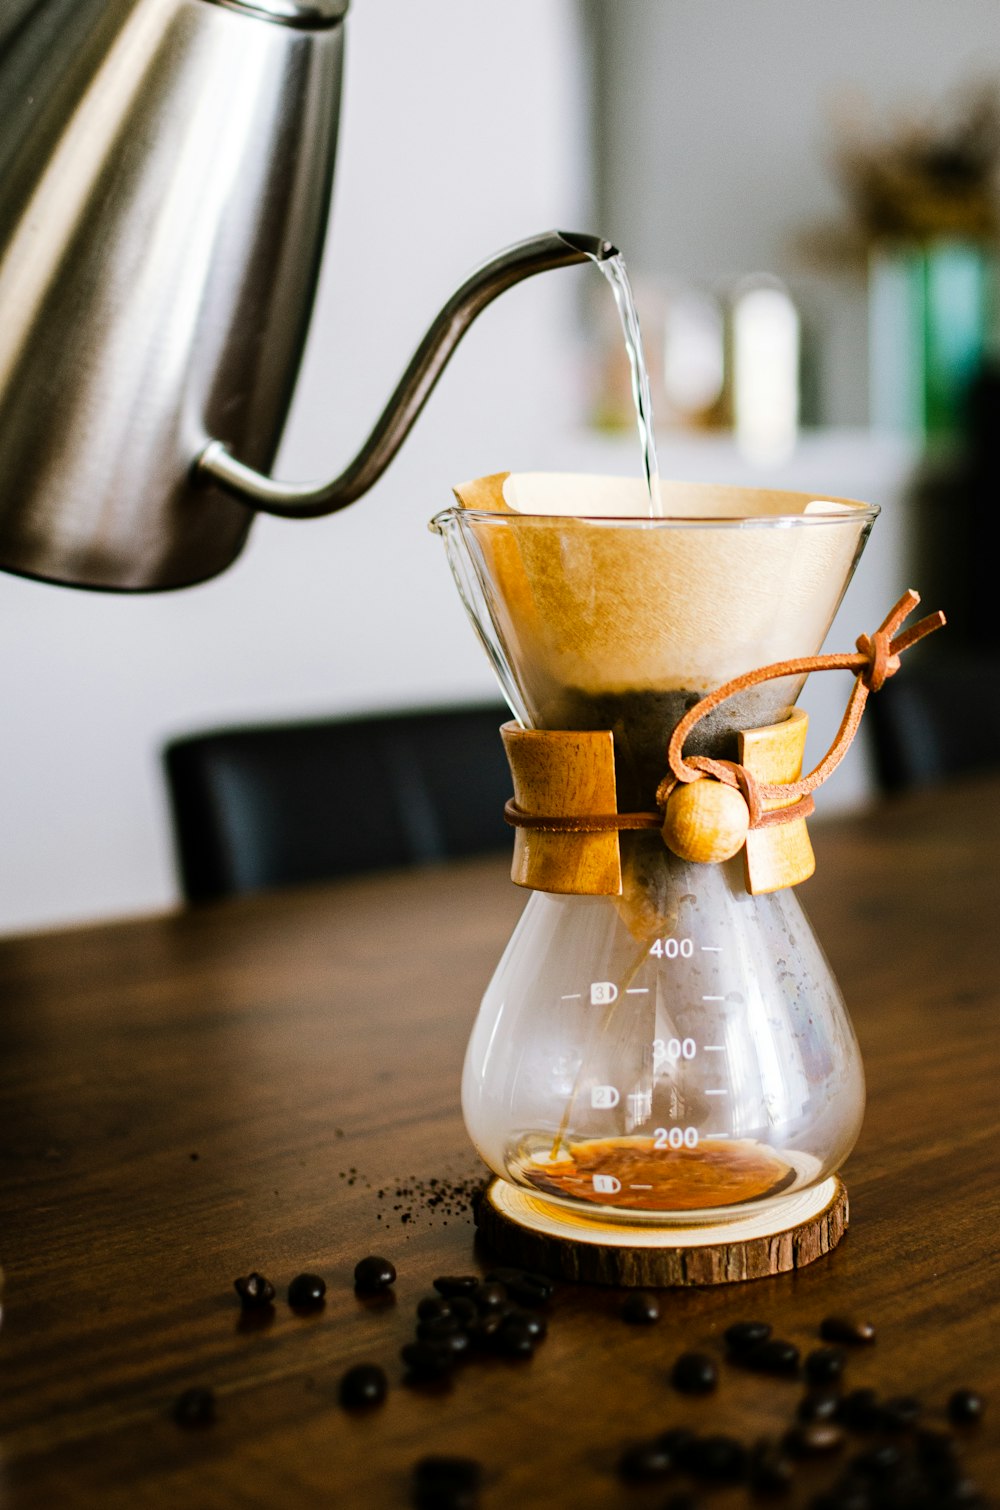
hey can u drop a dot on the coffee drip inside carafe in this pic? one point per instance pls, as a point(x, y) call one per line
point(678, 1051)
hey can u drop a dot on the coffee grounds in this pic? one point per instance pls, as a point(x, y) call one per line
point(415, 1200)
point(642, 721)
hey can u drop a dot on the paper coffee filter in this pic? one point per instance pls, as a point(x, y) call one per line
point(583, 602)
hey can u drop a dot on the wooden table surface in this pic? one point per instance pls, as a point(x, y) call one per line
point(187, 1098)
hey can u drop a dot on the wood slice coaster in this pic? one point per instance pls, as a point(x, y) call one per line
point(534, 1234)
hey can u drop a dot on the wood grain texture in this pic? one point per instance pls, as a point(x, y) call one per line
point(783, 855)
point(724, 1263)
point(560, 774)
point(252, 1031)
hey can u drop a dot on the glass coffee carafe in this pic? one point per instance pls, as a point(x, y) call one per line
point(676, 1053)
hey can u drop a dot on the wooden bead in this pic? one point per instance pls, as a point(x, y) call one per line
point(705, 821)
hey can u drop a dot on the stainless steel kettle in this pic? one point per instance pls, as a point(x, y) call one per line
point(165, 178)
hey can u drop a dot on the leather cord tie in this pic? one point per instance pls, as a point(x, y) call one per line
point(874, 661)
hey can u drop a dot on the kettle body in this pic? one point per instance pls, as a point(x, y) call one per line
point(165, 176)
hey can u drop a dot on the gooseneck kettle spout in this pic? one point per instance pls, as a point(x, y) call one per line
point(310, 500)
point(166, 168)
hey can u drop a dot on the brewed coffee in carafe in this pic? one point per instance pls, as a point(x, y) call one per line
point(675, 1050)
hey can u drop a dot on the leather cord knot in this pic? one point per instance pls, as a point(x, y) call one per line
point(874, 661)
point(881, 662)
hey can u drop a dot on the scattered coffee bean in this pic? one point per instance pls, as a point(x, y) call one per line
point(644, 1462)
point(845, 1329)
point(640, 1308)
point(860, 1410)
point(824, 1365)
point(441, 1483)
point(464, 1309)
point(433, 1305)
point(456, 1284)
point(363, 1385)
point(746, 1334)
point(428, 1360)
point(771, 1357)
point(900, 1413)
point(254, 1291)
point(306, 1292)
point(491, 1295)
point(485, 1329)
point(677, 1441)
point(513, 1339)
point(438, 1329)
point(194, 1407)
point(720, 1459)
point(935, 1446)
point(526, 1288)
point(965, 1407)
point(847, 1495)
point(814, 1440)
point(771, 1469)
point(694, 1374)
point(536, 1326)
point(374, 1274)
point(878, 1462)
point(819, 1405)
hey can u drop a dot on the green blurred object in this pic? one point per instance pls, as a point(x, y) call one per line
point(930, 313)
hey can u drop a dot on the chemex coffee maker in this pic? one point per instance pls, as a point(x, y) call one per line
point(662, 1076)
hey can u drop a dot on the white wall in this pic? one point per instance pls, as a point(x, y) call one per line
point(461, 132)
point(715, 132)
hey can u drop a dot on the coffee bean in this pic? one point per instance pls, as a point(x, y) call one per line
point(194, 1407)
point(445, 1483)
point(720, 1459)
point(374, 1274)
point(844, 1496)
point(814, 1440)
point(677, 1440)
point(860, 1410)
point(771, 1357)
point(640, 1308)
point(825, 1364)
point(746, 1334)
point(645, 1461)
point(254, 1290)
point(306, 1292)
point(483, 1331)
point(363, 1385)
point(694, 1374)
point(513, 1340)
point(439, 1329)
point(900, 1413)
point(878, 1462)
point(428, 1360)
point(819, 1405)
point(771, 1469)
point(489, 1296)
point(464, 1309)
point(431, 1306)
point(464, 1472)
point(536, 1326)
point(935, 1446)
point(526, 1288)
point(445, 1497)
point(965, 1407)
point(846, 1329)
point(456, 1284)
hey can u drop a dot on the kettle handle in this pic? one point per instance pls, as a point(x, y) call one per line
point(216, 465)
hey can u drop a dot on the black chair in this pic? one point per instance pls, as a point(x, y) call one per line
point(283, 805)
point(939, 718)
